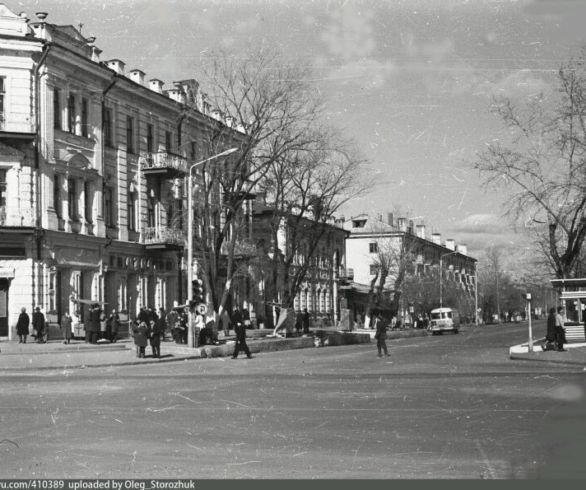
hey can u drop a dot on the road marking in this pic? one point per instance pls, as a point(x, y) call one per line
point(486, 460)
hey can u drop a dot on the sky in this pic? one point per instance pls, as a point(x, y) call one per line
point(411, 81)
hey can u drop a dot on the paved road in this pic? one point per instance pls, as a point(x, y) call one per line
point(452, 406)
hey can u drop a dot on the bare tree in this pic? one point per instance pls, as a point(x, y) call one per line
point(304, 189)
point(270, 110)
point(545, 165)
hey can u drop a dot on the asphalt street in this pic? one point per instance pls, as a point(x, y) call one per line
point(451, 406)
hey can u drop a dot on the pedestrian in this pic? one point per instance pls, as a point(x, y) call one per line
point(550, 337)
point(381, 335)
point(240, 341)
point(66, 327)
point(299, 322)
point(305, 321)
point(113, 325)
point(22, 326)
point(103, 325)
point(560, 332)
point(95, 314)
point(171, 322)
point(140, 332)
point(87, 322)
point(39, 324)
point(156, 330)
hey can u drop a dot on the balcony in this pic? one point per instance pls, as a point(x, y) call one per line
point(163, 164)
point(162, 238)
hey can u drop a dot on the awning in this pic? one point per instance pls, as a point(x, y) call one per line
point(88, 301)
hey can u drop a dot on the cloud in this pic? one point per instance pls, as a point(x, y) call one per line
point(364, 73)
point(520, 84)
point(349, 34)
point(482, 223)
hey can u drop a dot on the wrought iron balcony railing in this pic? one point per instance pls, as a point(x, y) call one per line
point(163, 235)
point(162, 161)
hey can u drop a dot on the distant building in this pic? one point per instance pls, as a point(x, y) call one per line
point(405, 246)
point(93, 166)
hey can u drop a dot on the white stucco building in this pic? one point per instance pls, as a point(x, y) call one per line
point(93, 166)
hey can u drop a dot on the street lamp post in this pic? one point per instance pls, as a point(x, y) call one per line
point(190, 331)
point(440, 274)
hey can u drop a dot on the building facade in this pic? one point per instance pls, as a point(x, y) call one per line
point(288, 245)
point(94, 162)
point(405, 249)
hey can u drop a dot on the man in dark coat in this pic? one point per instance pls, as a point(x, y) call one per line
point(95, 314)
point(156, 331)
point(305, 321)
point(39, 324)
point(22, 326)
point(240, 330)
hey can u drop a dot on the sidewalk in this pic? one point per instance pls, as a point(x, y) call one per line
point(575, 354)
point(78, 354)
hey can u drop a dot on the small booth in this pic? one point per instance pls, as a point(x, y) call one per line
point(572, 294)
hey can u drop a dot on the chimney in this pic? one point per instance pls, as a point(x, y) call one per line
point(421, 231)
point(190, 88)
point(156, 85)
point(402, 224)
point(217, 114)
point(137, 76)
point(390, 220)
point(462, 248)
point(116, 65)
point(436, 238)
point(451, 244)
point(230, 121)
point(176, 94)
point(410, 227)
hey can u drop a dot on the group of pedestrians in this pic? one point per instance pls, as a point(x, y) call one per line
point(97, 325)
point(39, 326)
point(302, 322)
point(145, 333)
point(556, 334)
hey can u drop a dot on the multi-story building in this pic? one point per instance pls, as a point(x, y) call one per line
point(291, 246)
point(93, 167)
point(403, 248)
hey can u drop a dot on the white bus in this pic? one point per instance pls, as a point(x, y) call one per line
point(444, 320)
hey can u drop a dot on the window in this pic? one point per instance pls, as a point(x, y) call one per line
point(71, 113)
point(57, 197)
point(178, 137)
point(168, 141)
point(108, 207)
point(150, 202)
point(373, 247)
point(129, 134)
point(57, 108)
point(108, 141)
point(72, 199)
point(192, 152)
point(84, 118)
point(3, 173)
point(2, 95)
point(132, 211)
point(87, 191)
point(150, 139)
point(373, 269)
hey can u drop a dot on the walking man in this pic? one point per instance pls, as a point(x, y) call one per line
point(560, 332)
point(381, 336)
point(66, 326)
point(240, 330)
point(39, 324)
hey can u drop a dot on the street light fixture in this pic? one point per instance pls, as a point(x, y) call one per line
point(190, 336)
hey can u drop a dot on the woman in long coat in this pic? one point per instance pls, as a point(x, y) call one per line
point(113, 326)
point(141, 338)
point(66, 326)
point(22, 326)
